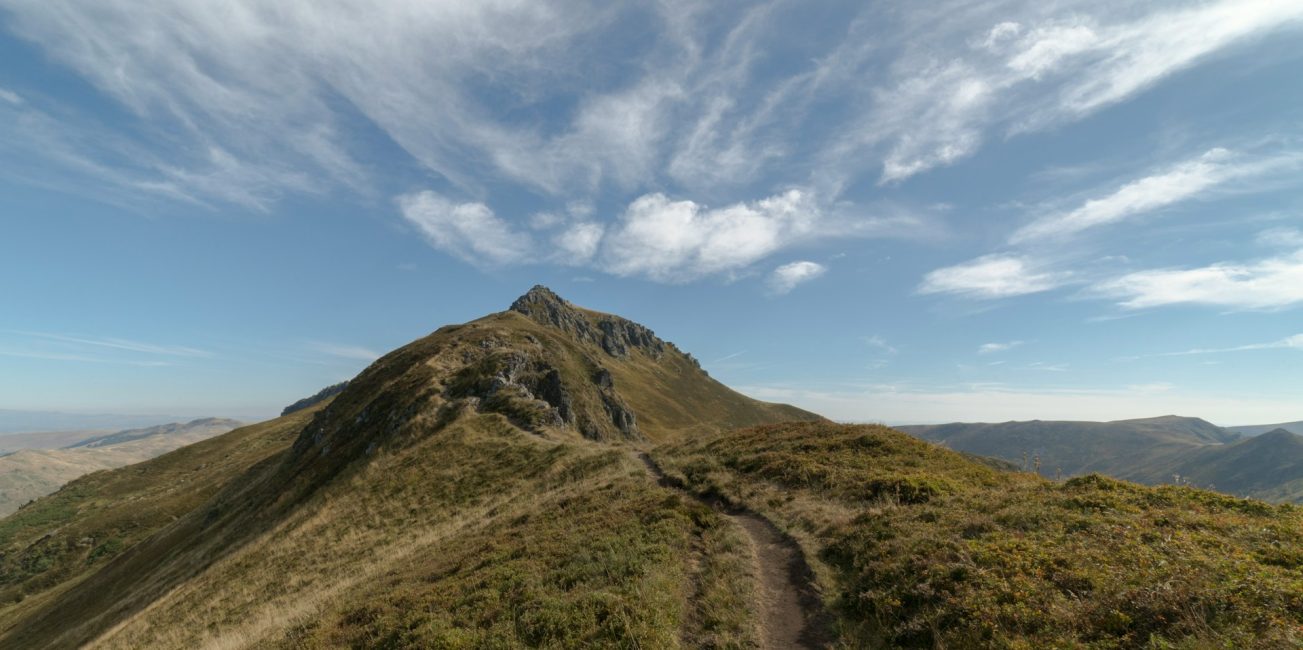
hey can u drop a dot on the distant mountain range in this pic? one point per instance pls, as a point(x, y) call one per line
point(13, 421)
point(28, 474)
point(1168, 449)
point(1259, 429)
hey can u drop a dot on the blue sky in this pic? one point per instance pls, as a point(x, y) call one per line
point(899, 212)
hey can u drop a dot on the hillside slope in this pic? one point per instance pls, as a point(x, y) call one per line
point(469, 489)
point(917, 547)
point(1267, 466)
point(13, 442)
point(484, 487)
point(1259, 429)
point(32, 473)
point(1077, 447)
point(1152, 451)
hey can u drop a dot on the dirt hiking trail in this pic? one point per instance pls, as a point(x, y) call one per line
point(791, 614)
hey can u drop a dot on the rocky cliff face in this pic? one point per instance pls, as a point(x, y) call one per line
point(616, 336)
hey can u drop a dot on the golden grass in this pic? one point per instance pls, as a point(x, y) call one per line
point(918, 547)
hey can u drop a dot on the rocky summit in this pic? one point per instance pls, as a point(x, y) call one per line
point(551, 476)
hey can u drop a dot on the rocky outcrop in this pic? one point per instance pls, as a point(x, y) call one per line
point(614, 335)
point(534, 394)
point(321, 396)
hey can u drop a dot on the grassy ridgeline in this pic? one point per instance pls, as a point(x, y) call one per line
point(919, 547)
point(478, 535)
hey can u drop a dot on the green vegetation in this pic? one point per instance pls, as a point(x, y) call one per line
point(479, 488)
point(57, 539)
point(918, 547)
point(463, 491)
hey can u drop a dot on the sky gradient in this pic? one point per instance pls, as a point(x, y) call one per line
point(896, 212)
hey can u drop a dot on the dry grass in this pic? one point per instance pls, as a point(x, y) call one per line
point(436, 502)
point(919, 547)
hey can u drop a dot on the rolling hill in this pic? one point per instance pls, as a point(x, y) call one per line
point(1259, 429)
point(1112, 448)
point(550, 476)
point(12, 442)
point(31, 473)
point(1153, 451)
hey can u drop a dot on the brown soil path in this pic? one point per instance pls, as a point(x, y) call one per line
point(791, 612)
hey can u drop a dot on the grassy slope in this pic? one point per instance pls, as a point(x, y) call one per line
point(479, 535)
point(60, 539)
point(416, 510)
point(918, 547)
point(1268, 466)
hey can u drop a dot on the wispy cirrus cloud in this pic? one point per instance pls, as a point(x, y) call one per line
point(119, 344)
point(880, 344)
point(786, 277)
point(79, 358)
point(992, 276)
point(1186, 180)
point(1045, 66)
point(1270, 283)
point(995, 348)
point(1294, 342)
point(508, 93)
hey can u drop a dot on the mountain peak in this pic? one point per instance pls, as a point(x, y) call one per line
point(538, 296)
point(1277, 435)
point(617, 336)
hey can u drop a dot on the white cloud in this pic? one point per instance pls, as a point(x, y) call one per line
point(993, 348)
point(1135, 55)
point(1282, 237)
point(1181, 182)
point(952, 83)
point(785, 278)
point(1184, 181)
point(121, 344)
point(880, 343)
point(1270, 283)
point(655, 237)
point(10, 96)
point(470, 231)
point(991, 276)
point(578, 243)
point(676, 241)
point(1294, 342)
point(555, 96)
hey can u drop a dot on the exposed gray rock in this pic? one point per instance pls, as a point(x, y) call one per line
point(616, 336)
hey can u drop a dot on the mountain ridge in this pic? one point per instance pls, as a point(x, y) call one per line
point(1148, 450)
point(487, 485)
point(458, 425)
